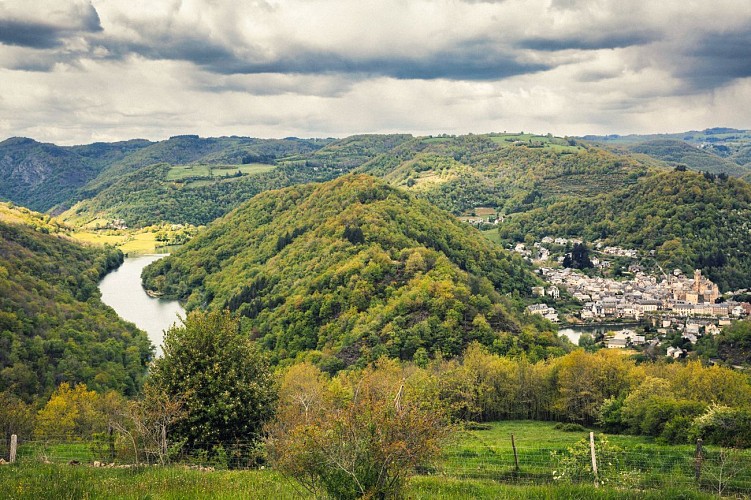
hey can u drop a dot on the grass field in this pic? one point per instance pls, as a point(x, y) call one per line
point(543, 141)
point(493, 235)
point(630, 462)
point(476, 464)
point(182, 172)
point(130, 242)
point(65, 481)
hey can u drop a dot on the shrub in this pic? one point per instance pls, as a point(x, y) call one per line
point(358, 435)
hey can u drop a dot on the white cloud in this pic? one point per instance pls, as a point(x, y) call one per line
point(115, 69)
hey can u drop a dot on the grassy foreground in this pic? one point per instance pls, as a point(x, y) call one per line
point(65, 481)
point(477, 464)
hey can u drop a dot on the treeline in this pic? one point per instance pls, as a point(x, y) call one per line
point(356, 269)
point(689, 220)
point(53, 325)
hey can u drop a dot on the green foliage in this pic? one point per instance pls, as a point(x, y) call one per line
point(733, 344)
point(53, 325)
point(724, 426)
point(464, 172)
point(358, 436)
point(355, 268)
point(675, 151)
point(77, 412)
point(221, 380)
point(183, 184)
point(578, 257)
point(575, 464)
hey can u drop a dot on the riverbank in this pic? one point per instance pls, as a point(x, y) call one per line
point(121, 289)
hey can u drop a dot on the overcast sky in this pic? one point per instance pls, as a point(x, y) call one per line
point(79, 71)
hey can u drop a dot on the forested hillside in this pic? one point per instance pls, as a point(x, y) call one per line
point(354, 269)
point(502, 171)
point(681, 153)
point(53, 325)
point(715, 150)
point(197, 194)
point(690, 220)
point(41, 176)
point(48, 177)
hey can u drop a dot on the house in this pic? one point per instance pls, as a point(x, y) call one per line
point(615, 343)
point(538, 290)
point(554, 292)
point(675, 352)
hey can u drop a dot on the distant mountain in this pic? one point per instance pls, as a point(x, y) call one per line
point(39, 175)
point(352, 269)
point(199, 192)
point(47, 177)
point(53, 325)
point(714, 150)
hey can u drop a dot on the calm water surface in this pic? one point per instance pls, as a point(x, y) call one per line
point(575, 332)
point(121, 289)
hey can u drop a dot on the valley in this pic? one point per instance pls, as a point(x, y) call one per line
point(445, 266)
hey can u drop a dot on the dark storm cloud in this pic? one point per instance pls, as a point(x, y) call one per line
point(470, 60)
point(715, 59)
point(42, 35)
point(589, 42)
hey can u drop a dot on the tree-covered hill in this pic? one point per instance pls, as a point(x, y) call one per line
point(53, 325)
point(459, 173)
point(46, 177)
point(689, 219)
point(676, 152)
point(150, 195)
point(39, 175)
point(715, 150)
point(352, 269)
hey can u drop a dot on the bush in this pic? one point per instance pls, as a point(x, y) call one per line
point(724, 426)
point(358, 435)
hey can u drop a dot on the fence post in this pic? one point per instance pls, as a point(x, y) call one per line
point(698, 459)
point(594, 458)
point(13, 445)
point(516, 456)
point(112, 443)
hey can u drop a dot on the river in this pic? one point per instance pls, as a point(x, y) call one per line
point(574, 332)
point(121, 289)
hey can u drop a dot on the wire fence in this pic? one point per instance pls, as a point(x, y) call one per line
point(718, 470)
point(723, 471)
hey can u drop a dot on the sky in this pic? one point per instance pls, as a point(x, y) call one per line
point(79, 71)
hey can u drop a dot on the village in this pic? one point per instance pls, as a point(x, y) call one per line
point(674, 302)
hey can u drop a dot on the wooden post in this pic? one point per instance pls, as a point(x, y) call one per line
point(698, 459)
point(594, 458)
point(516, 456)
point(13, 446)
point(112, 443)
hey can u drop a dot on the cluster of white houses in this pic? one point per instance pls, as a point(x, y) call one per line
point(675, 295)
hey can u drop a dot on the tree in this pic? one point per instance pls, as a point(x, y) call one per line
point(76, 412)
point(222, 380)
point(578, 258)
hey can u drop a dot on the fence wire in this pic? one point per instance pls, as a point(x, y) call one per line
point(725, 471)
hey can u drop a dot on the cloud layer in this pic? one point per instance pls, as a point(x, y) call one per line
point(75, 71)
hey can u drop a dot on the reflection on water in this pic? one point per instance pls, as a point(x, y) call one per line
point(575, 332)
point(121, 289)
